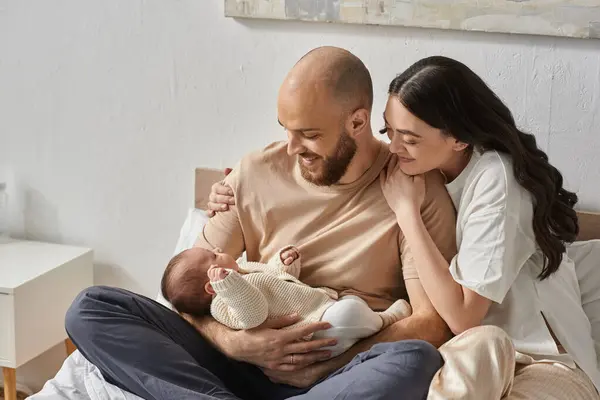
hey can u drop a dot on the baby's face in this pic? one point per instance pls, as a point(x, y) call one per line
point(203, 260)
point(206, 259)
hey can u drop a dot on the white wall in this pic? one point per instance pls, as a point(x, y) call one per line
point(107, 106)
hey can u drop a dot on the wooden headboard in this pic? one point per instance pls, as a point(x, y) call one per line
point(589, 223)
point(589, 226)
point(205, 178)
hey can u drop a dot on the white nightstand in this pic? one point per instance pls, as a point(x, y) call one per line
point(38, 282)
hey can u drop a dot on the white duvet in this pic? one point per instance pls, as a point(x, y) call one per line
point(78, 379)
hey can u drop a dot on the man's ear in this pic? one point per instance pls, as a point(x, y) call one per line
point(357, 122)
point(209, 289)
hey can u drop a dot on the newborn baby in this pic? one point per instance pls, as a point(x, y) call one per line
point(199, 282)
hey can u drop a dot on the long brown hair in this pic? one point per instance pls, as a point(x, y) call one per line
point(447, 95)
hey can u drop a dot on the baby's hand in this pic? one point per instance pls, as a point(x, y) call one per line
point(289, 255)
point(216, 274)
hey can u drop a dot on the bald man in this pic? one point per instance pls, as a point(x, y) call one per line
point(319, 190)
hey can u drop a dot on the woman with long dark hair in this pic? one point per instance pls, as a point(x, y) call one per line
point(514, 219)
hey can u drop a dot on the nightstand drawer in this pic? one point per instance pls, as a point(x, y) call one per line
point(7, 331)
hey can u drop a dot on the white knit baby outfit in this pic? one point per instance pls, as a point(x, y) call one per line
point(264, 291)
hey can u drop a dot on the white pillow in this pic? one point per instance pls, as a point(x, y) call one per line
point(586, 256)
point(192, 227)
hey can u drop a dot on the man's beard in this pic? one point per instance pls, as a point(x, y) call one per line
point(333, 167)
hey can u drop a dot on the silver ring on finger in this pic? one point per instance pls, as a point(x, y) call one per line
point(292, 359)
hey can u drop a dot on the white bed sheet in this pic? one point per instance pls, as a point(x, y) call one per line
point(78, 379)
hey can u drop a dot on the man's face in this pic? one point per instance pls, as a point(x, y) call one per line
point(316, 134)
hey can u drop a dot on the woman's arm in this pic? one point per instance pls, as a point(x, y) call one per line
point(460, 307)
point(428, 245)
point(491, 252)
point(494, 244)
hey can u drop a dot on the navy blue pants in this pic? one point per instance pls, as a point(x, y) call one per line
point(149, 350)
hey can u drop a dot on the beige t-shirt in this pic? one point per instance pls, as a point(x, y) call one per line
point(348, 236)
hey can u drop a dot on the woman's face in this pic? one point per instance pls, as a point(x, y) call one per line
point(420, 148)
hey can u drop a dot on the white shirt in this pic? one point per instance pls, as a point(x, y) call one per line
point(499, 259)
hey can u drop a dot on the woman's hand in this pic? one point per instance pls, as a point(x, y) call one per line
point(221, 197)
point(404, 194)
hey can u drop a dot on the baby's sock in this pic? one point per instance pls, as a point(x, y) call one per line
point(397, 311)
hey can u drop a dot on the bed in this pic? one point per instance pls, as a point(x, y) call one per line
point(80, 380)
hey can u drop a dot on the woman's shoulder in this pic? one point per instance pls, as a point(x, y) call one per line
point(494, 169)
point(489, 169)
point(493, 181)
point(493, 160)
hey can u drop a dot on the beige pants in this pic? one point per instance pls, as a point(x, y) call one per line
point(481, 363)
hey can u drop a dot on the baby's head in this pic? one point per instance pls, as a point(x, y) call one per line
point(185, 283)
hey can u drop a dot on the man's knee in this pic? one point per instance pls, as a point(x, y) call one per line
point(77, 318)
point(408, 367)
point(416, 355)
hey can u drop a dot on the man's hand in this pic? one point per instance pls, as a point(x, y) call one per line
point(311, 374)
point(269, 346)
point(306, 376)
